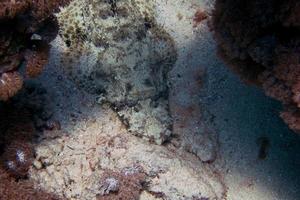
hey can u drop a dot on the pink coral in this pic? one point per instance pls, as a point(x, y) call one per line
point(26, 28)
point(10, 84)
point(18, 157)
point(260, 40)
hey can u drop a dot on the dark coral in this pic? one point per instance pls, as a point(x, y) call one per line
point(10, 84)
point(11, 189)
point(260, 40)
point(35, 62)
point(17, 137)
point(17, 158)
point(26, 28)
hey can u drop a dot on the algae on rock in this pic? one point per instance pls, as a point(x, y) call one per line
point(116, 50)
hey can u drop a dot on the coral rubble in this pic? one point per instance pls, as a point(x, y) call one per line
point(126, 185)
point(260, 41)
point(115, 49)
point(26, 28)
point(90, 162)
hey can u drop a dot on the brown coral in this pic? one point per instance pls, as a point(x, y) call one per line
point(11, 189)
point(18, 128)
point(35, 62)
point(260, 40)
point(10, 84)
point(17, 131)
point(17, 158)
point(10, 8)
point(38, 9)
point(16, 134)
point(25, 26)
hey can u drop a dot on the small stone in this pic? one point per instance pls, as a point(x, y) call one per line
point(37, 164)
point(109, 185)
point(36, 37)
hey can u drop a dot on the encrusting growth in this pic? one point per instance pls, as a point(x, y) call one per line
point(10, 84)
point(35, 62)
point(125, 185)
point(260, 40)
point(26, 28)
point(17, 130)
point(17, 158)
point(10, 189)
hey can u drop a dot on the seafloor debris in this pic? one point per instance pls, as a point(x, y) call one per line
point(115, 49)
point(126, 185)
point(26, 28)
point(260, 41)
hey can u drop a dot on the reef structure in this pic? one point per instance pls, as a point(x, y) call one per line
point(17, 131)
point(260, 40)
point(26, 28)
point(116, 50)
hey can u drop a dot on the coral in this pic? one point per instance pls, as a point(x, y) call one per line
point(18, 157)
point(35, 62)
point(9, 9)
point(39, 10)
point(27, 27)
point(125, 185)
point(10, 84)
point(116, 50)
point(260, 41)
point(17, 133)
point(15, 190)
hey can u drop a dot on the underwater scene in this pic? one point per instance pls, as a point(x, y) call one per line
point(149, 100)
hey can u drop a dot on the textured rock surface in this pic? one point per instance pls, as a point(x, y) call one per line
point(75, 158)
